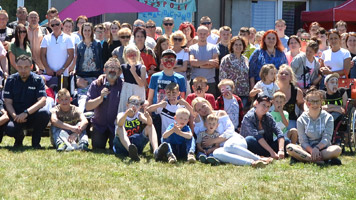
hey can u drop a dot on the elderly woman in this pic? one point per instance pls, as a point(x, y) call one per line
point(294, 45)
point(335, 59)
point(261, 132)
point(234, 66)
point(113, 40)
point(233, 147)
point(124, 37)
point(179, 40)
point(315, 129)
point(306, 67)
point(271, 52)
point(19, 46)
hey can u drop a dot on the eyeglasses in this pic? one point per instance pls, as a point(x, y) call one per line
point(178, 39)
point(304, 40)
point(168, 59)
point(125, 37)
point(53, 25)
point(151, 26)
point(135, 102)
point(206, 23)
point(22, 32)
point(168, 24)
point(313, 101)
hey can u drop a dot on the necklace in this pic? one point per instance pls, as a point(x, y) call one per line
point(271, 53)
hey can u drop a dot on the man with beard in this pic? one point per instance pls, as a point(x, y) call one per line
point(25, 97)
point(104, 100)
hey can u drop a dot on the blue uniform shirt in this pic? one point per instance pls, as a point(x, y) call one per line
point(24, 94)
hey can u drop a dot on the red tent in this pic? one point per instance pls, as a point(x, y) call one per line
point(345, 12)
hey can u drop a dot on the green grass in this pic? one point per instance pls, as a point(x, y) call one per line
point(46, 174)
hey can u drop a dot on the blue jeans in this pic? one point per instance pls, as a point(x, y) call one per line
point(255, 147)
point(292, 124)
point(57, 132)
point(139, 140)
point(180, 147)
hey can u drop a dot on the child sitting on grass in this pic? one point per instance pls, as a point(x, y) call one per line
point(230, 102)
point(167, 108)
point(179, 138)
point(200, 86)
point(205, 155)
point(133, 131)
point(282, 117)
point(68, 124)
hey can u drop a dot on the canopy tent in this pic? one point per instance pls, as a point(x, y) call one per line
point(327, 18)
point(91, 8)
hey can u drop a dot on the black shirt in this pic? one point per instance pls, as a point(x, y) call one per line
point(335, 99)
point(108, 48)
point(24, 94)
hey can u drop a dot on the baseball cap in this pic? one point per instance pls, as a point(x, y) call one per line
point(169, 52)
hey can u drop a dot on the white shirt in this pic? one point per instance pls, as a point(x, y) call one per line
point(335, 60)
point(57, 50)
point(212, 38)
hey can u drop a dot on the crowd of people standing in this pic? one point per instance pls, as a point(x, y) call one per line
point(244, 99)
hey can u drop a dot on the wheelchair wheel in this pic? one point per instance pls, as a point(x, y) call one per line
point(351, 134)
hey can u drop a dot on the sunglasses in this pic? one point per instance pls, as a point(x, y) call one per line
point(150, 26)
point(168, 24)
point(53, 25)
point(22, 32)
point(136, 102)
point(206, 23)
point(125, 37)
point(178, 39)
point(313, 101)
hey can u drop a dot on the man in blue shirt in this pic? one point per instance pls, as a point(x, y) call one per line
point(25, 97)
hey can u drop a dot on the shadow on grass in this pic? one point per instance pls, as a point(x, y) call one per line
point(24, 148)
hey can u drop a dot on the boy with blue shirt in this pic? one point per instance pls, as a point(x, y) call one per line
point(160, 80)
point(179, 138)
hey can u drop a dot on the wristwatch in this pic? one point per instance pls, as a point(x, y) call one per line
point(26, 111)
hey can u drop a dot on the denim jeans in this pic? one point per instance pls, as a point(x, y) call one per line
point(58, 133)
point(256, 148)
point(139, 140)
point(180, 147)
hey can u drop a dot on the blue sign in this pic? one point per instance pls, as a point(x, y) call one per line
point(180, 12)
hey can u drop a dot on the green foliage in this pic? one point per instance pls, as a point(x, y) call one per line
point(46, 174)
point(40, 6)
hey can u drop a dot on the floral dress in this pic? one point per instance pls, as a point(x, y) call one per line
point(237, 70)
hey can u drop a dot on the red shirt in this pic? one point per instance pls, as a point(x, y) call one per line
point(208, 97)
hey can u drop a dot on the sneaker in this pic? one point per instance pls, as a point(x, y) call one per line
point(293, 161)
point(202, 158)
point(191, 158)
point(172, 158)
point(161, 151)
point(61, 147)
point(133, 152)
point(335, 161)
point(83, 147)
point(213, 161)
point(259, 164)
point(70, 148)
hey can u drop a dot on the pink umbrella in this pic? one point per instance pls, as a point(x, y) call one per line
point(92, 8)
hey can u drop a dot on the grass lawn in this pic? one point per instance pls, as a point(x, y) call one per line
point(26, 173)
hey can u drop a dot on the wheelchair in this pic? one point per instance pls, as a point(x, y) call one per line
point(344, 133)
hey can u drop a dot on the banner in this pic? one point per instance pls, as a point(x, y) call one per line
point(180, 12)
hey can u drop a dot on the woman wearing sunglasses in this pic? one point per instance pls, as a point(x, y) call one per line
point(315, 128)
point(19, 46)
point(178, 40)
point(124, 37)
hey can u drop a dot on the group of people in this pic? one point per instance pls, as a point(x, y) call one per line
point(191, 93)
